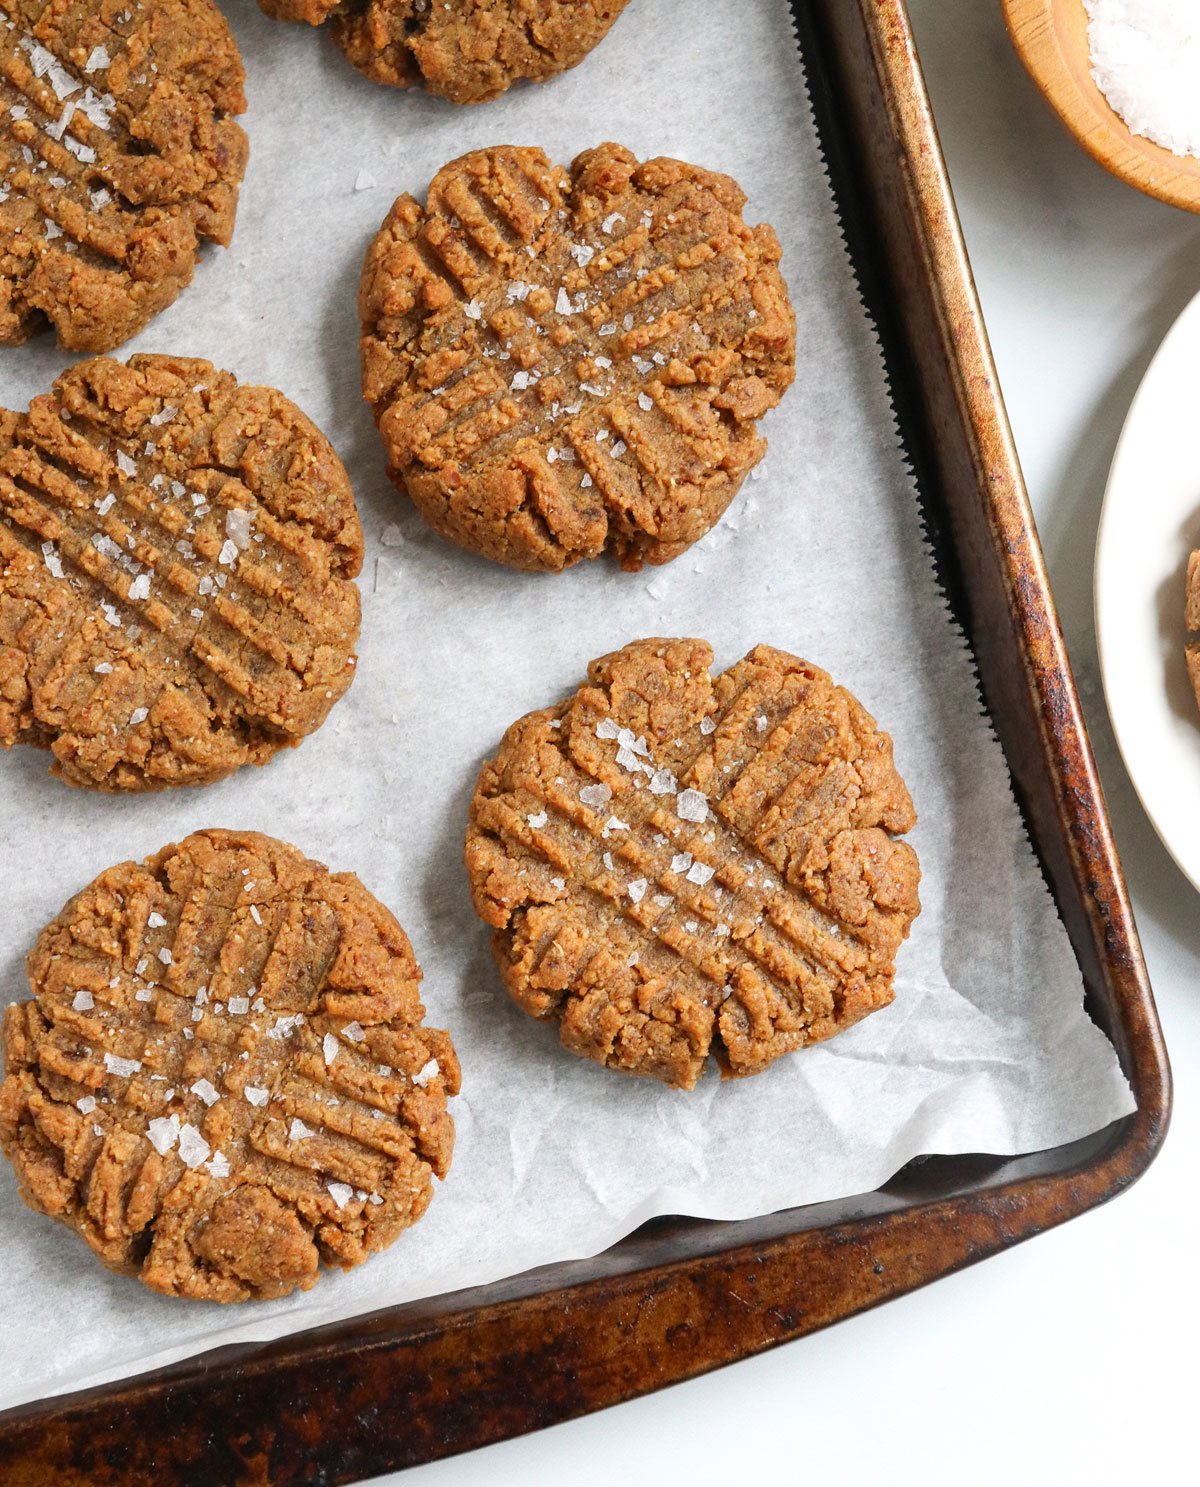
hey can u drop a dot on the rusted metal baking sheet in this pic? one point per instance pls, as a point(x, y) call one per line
point(445, 1375)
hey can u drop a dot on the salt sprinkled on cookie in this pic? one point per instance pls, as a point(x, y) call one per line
point(618, 427)
point(191, 687)
point(93, 263)
point(767, 898)
point(190, 1180)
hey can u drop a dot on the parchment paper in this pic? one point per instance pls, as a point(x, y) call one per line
point(986, 1048)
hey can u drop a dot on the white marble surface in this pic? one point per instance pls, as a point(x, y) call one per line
point(1062, 1360)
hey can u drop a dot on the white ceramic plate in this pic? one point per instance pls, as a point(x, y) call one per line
point(1149, 525)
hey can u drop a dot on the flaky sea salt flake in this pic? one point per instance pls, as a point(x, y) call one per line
point(162, 1133)
point(123, 1068)
point(193, 1148)
point(238, 525)
point(691, 805)
point(425, 1073)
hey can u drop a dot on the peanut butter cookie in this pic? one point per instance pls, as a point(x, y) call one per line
point(1192, 622)
point(176, 556)
point(466, 50)
point(562, 362)
point(223, 1079)
point(118, 157)
point(675, 865)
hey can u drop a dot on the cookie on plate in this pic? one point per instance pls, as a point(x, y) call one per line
point(223, 1079)
point(119, 156)
point(563, 362)
point(176, 557)
point(1192, 622)
point(466, 50)
point(676, 865)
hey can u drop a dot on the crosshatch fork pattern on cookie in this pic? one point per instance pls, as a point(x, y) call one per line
point(119, 155)
point(223, 1077)
point(175, 562)
point(675, 865)
point(561, 363)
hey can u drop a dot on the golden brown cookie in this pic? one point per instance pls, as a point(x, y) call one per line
point(466, 50)
point(119, 156)
point(562, 362)
point(176, 556)
point(223, 1079)
point(675, 865)
point(1192, 622)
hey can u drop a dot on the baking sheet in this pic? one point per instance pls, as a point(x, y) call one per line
point(986, 1048)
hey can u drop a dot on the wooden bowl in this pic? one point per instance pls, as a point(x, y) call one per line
point(1051, 39)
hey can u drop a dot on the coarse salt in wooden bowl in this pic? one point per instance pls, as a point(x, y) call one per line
point(1051, 38)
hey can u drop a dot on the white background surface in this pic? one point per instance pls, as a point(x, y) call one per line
point(1067, 1359)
